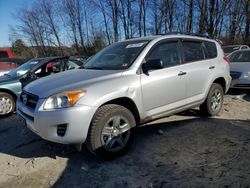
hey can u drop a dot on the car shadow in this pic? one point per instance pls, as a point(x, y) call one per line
point(5, 116)
point(185, 152)
point(247, 97)
point(237, 92)
point(18, 140)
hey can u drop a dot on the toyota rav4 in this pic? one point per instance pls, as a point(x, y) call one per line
point(123, 86)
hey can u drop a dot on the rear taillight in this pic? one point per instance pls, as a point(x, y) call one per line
point(226, 59)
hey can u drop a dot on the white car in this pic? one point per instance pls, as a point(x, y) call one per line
point(3, 72)
point(123, 86)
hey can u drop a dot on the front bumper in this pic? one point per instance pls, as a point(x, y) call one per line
point(45, 123)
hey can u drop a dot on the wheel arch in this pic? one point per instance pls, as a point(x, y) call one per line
point(9, 92)
point(127, 103)
point(222, 82)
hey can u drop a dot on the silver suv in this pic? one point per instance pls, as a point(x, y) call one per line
point(123, 86)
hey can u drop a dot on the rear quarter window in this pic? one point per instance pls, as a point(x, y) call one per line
point(211, 49)
point(192, 51)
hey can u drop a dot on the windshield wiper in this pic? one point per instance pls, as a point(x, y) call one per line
point(96, 68)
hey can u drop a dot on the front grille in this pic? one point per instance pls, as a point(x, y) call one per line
point(61, 129)
point(28, 99)
point(242, 85)
point(235, 75)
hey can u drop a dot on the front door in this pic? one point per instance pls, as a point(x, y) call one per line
point(164, 89)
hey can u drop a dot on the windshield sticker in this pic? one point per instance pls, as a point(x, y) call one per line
point(124, 65)
point(33, 62)
point(136, 45)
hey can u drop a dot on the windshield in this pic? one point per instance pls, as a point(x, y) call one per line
point(118, 56)
point(23, 69)
point(230, 49)
point(240, 56)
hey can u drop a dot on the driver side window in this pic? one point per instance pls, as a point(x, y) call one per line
point(168, 52)
point(49, 68)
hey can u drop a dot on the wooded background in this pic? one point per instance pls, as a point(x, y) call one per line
point(82, 27)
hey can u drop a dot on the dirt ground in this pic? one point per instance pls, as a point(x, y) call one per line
point(184, 150)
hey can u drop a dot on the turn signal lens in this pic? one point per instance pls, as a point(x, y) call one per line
point(73, 96)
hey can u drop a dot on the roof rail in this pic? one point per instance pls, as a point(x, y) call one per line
point(187, 33)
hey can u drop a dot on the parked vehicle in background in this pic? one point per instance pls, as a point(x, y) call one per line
point(231, 48)
point(11, 83)
point(6, 53)
point(240, 69)
point(5, 61)
point(124, 85)
point(80, 58)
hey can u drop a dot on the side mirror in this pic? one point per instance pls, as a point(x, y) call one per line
point(152, 64)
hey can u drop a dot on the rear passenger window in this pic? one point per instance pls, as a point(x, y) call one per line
point(168, 52)
point(211, 49)
point(193, 51)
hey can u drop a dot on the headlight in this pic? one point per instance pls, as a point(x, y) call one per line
point(63, 100)
point(247, 75)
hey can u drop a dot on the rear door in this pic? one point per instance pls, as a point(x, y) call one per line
point(164, 89)
point(198, 66)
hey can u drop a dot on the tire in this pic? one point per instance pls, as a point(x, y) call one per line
point(214, 101)
point(7, 104)
point(110, 133)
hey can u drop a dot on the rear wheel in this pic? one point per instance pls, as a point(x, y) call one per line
point(7, 104)
point(212, 105)
point(110, 133)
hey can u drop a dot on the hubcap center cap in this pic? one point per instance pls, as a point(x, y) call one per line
point(115, 132)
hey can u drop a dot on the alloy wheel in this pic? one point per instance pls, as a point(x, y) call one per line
point(115, 134)
point(216, 100)
point(6, 105)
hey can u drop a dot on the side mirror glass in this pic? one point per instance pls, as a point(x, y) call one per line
point(153, 64)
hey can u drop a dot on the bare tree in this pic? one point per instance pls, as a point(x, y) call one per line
point(247, 21)
point(102, 7)
point(203, 16)
point(50, 19)
point(189, 25)
point(47, 24)
point(236, 18)
point(69, 10)
point(113, 4)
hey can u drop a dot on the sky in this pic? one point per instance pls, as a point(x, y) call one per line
point(7, 9)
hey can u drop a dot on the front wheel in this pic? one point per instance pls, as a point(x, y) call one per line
point(7, 104)
point(110, 133)
point(213, 104)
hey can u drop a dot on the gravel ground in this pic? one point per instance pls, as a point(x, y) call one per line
point(184, 150)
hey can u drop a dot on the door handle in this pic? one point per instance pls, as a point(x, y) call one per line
point(211, 67)
point(181, 73)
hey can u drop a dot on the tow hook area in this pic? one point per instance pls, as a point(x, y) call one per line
point(78, 147)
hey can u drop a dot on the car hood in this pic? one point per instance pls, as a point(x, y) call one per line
point(69, 80)
point(240, 67)
point(4, 79)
